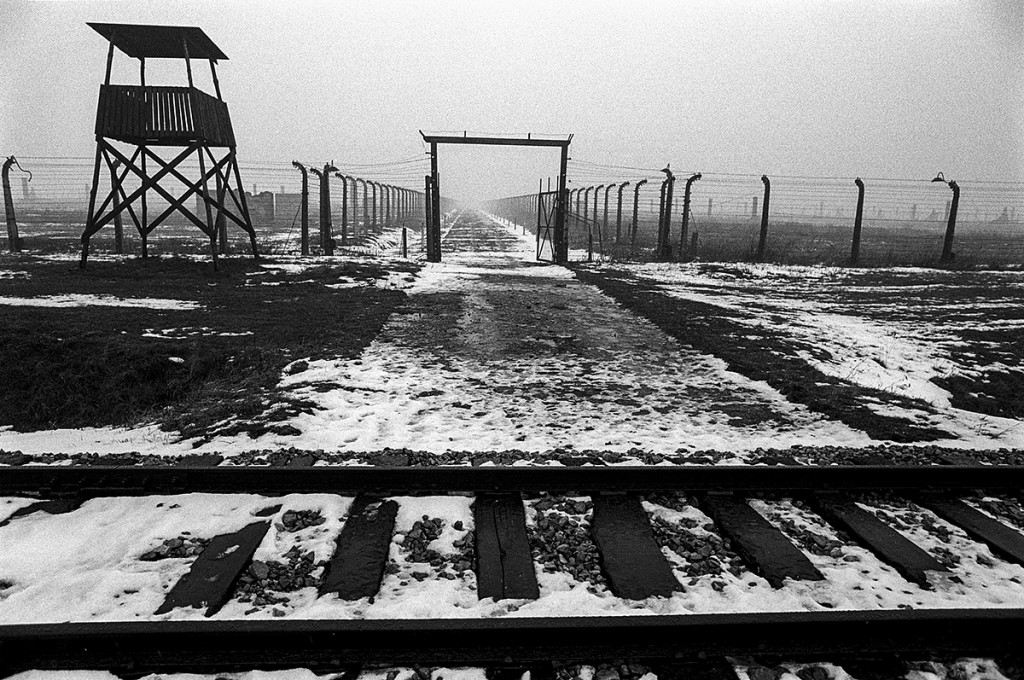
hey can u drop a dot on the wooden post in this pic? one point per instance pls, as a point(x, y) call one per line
point(142, 81)
point(540, 211)
point(110, 62)
point(763, 240)
point(222, 223)
point(12, 223)
point(118, 224)
point(427, 212)
point(188, 62)
point(405, 243)
point(857, 220)
point(435, 186)
point(216, 82)
point(947, 245)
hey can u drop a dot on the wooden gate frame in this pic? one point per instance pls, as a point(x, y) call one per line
point(561, 250)
point(546, 203)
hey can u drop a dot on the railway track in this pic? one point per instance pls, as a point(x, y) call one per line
point(615, 507)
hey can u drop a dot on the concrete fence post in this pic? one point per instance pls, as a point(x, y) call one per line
point(947, 244)
point(13, 240)
point(686, 213)
point(763, 240)
point(636, 210)
point(857, 221)
point(618, 215)
point(304, 209)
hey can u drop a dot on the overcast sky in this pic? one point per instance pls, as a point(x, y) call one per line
point(890, 89)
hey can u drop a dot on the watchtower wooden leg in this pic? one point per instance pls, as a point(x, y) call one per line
point(244, 205)
point(92, 206)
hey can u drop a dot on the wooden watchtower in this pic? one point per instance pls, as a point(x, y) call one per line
point(145, 116)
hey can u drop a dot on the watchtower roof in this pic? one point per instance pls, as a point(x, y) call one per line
point(159, 42)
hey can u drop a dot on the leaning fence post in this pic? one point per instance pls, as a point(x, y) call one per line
point(304, 203)
point(763, 240)
point(12, 222)
point(947, 244)
point(855, 249)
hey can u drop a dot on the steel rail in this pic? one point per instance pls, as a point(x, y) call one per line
point(91, 481)
point(203, 646)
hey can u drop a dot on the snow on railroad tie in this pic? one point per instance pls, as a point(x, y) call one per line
point(495, 351)
point(122, 558)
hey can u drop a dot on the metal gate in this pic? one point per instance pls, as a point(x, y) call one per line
point(546, 232)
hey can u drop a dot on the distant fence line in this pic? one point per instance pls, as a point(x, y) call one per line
point(46, 205)
point(787, 219)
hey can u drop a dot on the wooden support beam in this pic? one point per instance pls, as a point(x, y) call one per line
point(635, 566)
point(504, 561)
point(889, 545)
point(1003, 540)
point(213, 575)
point(759, 543)
point(356, 569)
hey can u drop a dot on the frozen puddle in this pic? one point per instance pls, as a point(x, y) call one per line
point(496, 351)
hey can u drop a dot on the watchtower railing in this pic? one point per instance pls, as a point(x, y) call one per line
point(162, 115)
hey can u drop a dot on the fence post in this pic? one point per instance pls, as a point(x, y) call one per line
point(304, 208)
point(686, 213)
point(13, 241)
point(636, 208)
point(344, 209)
point(664, 246)
point(947, 243)
point(618, 215)
point(405, 243)
point(857, 220)
point(763, 240)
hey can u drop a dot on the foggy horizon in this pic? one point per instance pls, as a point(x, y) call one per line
point(825, 89)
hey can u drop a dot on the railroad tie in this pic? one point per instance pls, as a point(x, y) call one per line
point(357, 567)
point(765, 548)
point(213, 575)
point(889, 545)
point(634, 564)
point(1003, 540)
point(504, 562)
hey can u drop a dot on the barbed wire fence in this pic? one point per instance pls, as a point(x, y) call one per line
point(809, 219)
point(371, 207)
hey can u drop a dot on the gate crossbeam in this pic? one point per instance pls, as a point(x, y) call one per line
point(561, 244)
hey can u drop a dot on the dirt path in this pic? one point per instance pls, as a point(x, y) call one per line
point(496, 351)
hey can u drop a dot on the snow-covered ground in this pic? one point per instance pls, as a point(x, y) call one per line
point(895, 338)
point(495, 351)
